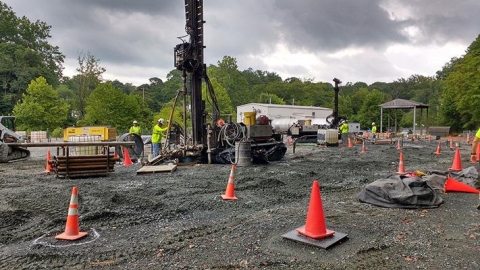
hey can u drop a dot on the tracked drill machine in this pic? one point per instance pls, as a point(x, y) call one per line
point(303, 133)
point(208, 140)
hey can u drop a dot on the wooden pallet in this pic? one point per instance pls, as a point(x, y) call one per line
point(157, 169)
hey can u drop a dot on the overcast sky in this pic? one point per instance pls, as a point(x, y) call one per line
point(353, 40)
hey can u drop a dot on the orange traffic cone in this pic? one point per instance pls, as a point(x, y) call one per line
point(468, 138)
point(399, 146)
point(48, 167)
point(438, 152)
point(350, 144)
point(71, 229)
point(401, 166)
point(288, 141)
point(315, 225)
point(230, 191)
point(126, 158)
point(455, 185)
point(115, 155)
point(364, 150)
point(457, 162)
point(429, 137)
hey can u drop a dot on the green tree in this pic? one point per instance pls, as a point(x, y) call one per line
point(40, 108)
point(447, 68)
point(259, 77)
point(67, 94)
point(127, 88)
point(109, 106)
point(370, 110)
point(90, 75)
point(359, 97)
point(345, 106)
point(231, 79)
point(224, 102)
point(167, 110)
point(461, 93)
point(151, 94)
point(270, 99)
point(25, 54)
point(165, 92)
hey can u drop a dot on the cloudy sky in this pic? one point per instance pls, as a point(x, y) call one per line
point(354, 40)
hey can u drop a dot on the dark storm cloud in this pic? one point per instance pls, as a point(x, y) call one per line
point(313, 25)
point(445, 20)
point(114, 31)
point(333, 25)
point(153, 7)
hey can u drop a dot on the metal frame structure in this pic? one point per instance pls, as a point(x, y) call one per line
point(403, 104)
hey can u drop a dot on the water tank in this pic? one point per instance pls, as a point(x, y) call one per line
point(321, 136)
point(282, 124)
point(85, 150)
point(331, 137)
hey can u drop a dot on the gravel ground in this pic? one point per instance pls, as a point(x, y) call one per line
point(179, 221)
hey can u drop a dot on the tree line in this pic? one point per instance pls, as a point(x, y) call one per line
point(33, 88)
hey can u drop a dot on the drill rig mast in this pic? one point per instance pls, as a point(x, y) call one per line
point(334, 119)
point(189, 58)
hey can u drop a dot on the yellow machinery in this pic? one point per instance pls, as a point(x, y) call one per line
point(105, 133)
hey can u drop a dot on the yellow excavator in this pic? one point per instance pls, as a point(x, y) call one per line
point(9, 151)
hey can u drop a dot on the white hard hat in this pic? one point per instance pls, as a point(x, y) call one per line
point(160, 120)
point(135, 122)
point(373, 124)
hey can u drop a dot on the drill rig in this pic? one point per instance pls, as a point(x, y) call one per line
point(303, 133)
point(210, 141)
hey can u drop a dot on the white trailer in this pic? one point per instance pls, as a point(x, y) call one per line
point(276, 111)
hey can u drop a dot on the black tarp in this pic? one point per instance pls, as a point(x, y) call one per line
point(414, 191)
point(400, 192)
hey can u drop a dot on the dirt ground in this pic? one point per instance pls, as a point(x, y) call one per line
point(178, 220)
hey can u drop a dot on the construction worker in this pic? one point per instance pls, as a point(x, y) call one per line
point(476, 139)
point(374, 131)
point(157, 134)
point(135, 129)
point(344, 131)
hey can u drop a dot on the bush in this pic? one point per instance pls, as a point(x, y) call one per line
point(57, 133)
